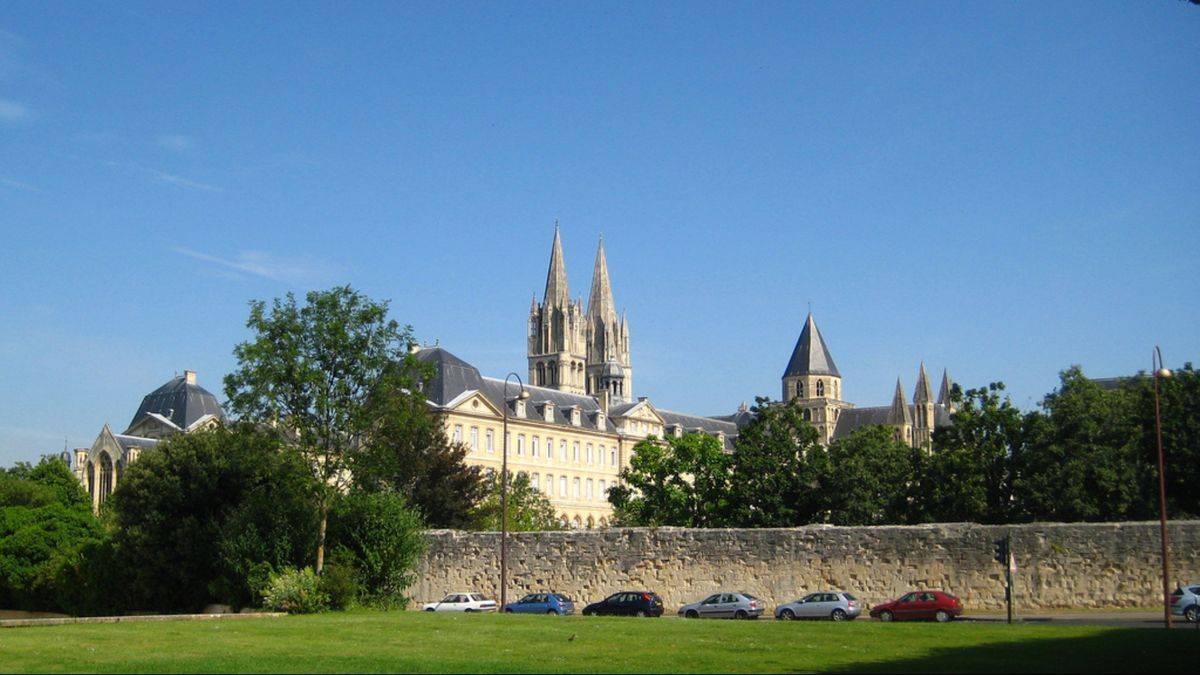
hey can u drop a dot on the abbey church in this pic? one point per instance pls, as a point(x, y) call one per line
point(575, 428)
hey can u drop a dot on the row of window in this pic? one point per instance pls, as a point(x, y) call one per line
point(564, 487)
point(820, 389)
point(586, 453)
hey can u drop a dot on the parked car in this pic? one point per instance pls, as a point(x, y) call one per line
point(627, 603)
point(937, 605)
point(834, 605)
point(724, 606)
point(542, 603)
point(1185, 602)
point(462, 602)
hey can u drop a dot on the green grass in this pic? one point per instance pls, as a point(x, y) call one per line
point(412, 641)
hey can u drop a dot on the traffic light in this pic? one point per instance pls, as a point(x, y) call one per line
point(1001, 551)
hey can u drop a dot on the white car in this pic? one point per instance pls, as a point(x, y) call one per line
point(462, 602)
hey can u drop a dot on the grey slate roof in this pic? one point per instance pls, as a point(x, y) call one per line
point(708, 425)
point(451, 376)
point(811, 356)
point(180, 402)
point(135, 441)
point(853, 418)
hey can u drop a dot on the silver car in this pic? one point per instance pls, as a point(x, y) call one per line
point(1185, 602)
point(724, 606)
point(834, 605)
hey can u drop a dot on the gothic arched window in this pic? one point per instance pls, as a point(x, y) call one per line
point(807, 415)
point(799, 389)
point(820, 388)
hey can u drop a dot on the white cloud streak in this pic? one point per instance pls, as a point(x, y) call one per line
point(11, 111)
point(260, 264)
point(170, 178)
point(20, 185)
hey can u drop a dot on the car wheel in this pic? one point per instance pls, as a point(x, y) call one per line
point(741, 614)
point(942, 616)
point(588, 613)
point(838, 615)
point(550, 611)
point(1192, 614)
point(641, 613)
point(428, 609)
point(468, 611)
point(787, 615)
point(691, 614)
point(506, 610)
point(885, 616)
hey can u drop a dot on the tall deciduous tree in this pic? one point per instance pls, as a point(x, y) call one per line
point(677, 481)
point(969, 476)
point(1179, 404)
point(777, 465)
point(311, 370)
point(870, 478)
point(408, 452)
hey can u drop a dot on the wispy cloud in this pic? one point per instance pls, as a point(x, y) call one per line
point(11, 111)
point(261, 264)
point(165, 177)
point(19, 185)
point(175, 142)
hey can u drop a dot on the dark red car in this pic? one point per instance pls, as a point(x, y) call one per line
point(919, 605)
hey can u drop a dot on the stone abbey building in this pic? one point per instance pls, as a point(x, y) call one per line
point(576, 430)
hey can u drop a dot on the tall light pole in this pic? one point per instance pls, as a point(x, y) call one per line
point(521, 395)
point(1161, 372)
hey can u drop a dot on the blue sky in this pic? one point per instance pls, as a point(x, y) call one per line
point(1003, 189)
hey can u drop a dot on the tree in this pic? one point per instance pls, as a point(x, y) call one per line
point(869, 478)
point(528, 509)
point(408, 452)
point(677, 481)
point(203, 517)
point(777, 465)
point(311, 370)
point(969, 476)
point(1179, 405)
point(383, 539)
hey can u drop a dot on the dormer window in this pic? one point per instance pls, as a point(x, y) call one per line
point(601, 422)
point(519, 406)
point(575, 416)
point(548, 411)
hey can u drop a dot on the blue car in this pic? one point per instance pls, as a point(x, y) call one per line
point(542, 603)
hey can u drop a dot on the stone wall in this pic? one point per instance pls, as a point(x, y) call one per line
point(1058, 565)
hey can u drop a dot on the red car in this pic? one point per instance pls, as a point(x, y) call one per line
point(917, 605)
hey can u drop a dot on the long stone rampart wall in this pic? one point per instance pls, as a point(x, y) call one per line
point(1082, 565)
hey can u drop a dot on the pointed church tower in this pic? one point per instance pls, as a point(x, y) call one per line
point(923, 410)
point(945, 399)
point(899, 417)
point(812, 381)
point(609, 368)
point(557, 345)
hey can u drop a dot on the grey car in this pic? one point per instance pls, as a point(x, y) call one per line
point(1185, 602)
point(724, 606)
point(834, 605)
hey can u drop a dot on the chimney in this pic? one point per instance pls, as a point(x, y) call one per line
point(189, 376)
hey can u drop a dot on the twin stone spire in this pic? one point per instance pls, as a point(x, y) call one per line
point(576, 352)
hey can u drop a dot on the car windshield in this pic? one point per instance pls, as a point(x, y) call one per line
point(528, 598)
point(849, 597)
point(1195, 589)
point(453, 597)
point(748, 596)
point(562, 598)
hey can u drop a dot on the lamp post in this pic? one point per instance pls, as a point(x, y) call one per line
point(1159, 373)
point(521, 395)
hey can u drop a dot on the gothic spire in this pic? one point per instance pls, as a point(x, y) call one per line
point(811, 356)
point(557, 292)
point(944, 393)
point(899, 414)
point(600, 301)
point(923, 393)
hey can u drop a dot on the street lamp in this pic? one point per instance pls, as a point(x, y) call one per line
point(1161, 372)
point(521, 396)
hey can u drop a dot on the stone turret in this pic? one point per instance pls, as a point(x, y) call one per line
point(923, 410)
point(945, 400)
point(812, 381)
point(899, 418)
point(607, 338)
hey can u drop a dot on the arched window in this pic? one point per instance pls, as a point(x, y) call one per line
point(562, 486)
point(799, 389)
point(835, 389)
point(820, 388)
point(591, 522)
point(807, 415)
point(106, 476)
point(91, 480)
point(541, 373)
point(614, 457)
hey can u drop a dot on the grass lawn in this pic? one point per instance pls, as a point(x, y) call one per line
point(413, 641)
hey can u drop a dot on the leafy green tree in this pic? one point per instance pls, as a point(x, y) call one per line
point(205, 516)
point(969, 476)
point(677, 481)
point(1179, 406)
point(777, 466)
point(311, 370)
point(869, 478)
point(45, 518)
point(408, 452)
point(528, 509)
point(383, 538)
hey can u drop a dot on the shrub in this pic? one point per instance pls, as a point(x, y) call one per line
point(295, 592)
point(339, 580)
point(383, 537)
